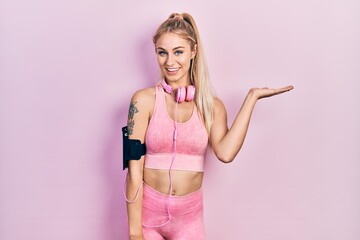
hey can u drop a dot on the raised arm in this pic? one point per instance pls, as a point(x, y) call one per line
point(226, 143)
point(138, 118)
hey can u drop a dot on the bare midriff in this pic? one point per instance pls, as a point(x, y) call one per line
point(183, 182)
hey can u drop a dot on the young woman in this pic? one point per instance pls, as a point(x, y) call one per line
point(177, 119)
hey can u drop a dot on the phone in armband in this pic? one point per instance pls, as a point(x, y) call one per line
point(133, 149)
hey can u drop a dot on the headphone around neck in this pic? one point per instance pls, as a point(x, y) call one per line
point(182, 93)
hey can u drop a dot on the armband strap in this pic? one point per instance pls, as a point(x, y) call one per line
point(132, 148)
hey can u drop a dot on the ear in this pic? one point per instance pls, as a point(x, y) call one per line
point(194, 51)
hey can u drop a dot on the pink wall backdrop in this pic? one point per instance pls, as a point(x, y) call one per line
point(69, 68)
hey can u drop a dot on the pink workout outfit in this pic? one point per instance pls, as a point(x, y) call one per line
point(173, 217)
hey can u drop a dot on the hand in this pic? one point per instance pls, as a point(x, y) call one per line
point(268, 92)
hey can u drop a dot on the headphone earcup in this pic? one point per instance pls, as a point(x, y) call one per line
point(180, 94)
point(190, 93)
point(166, 87)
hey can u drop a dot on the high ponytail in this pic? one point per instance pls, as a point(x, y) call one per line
point(185, 26)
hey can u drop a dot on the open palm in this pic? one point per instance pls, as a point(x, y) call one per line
point(269, 92)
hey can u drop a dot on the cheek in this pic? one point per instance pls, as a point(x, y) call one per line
point(185, 61)
point(160, 61)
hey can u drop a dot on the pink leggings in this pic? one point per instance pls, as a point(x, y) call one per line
point(187, 222)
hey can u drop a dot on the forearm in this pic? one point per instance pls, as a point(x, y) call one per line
point(231, 143)
point(134, 194)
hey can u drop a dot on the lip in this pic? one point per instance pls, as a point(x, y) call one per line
point(172, 71)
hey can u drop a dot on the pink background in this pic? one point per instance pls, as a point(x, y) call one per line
point(68, 69)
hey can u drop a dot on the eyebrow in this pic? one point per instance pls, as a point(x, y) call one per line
point(160, 48)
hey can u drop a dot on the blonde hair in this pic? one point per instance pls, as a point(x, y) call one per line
point(184, 25)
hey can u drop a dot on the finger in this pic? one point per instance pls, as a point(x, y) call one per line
point(288, 88)
point(284, 89)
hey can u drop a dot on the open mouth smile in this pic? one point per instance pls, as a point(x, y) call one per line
point(172, 71)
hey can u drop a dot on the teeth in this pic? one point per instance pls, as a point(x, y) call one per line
point(172, 69)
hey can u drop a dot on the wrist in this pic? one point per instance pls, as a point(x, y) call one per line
point(252, 96)
point(136, 235)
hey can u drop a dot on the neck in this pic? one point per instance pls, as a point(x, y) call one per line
point(178, 83)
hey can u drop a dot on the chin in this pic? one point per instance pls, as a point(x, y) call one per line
point(173, 78)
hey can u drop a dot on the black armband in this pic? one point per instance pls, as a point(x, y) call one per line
point(132, 148)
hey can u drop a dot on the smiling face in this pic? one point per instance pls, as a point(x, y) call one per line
point(174, 55)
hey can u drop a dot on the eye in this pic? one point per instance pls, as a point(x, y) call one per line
point(178, 52)
point(162, 53)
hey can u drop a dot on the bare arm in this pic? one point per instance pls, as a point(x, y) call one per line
point(139, 113)
point(225, 142)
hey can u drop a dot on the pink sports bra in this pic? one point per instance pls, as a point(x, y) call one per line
point(191, 140)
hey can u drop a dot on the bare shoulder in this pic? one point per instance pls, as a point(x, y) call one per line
point(144, 98)
point(140, 111)
point(219, 106)
point(145, 94)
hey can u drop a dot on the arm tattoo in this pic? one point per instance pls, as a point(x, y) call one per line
point(132, 111)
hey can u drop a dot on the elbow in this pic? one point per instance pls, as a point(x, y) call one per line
point(134, 176)
point(225, 158)
point(135, 171)
point(227, 155)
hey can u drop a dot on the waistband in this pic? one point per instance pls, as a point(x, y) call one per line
point(179, 205)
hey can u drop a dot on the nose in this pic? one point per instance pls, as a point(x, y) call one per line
point(170, 60)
